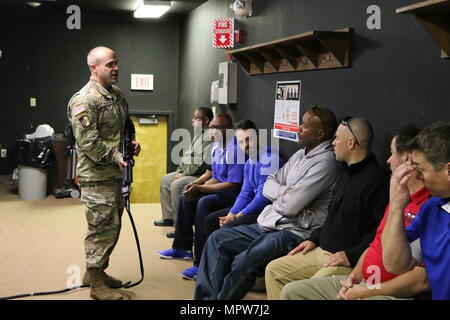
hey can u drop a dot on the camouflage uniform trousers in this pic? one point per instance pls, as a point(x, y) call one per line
point(104, 209)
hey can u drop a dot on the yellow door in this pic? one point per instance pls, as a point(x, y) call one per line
point(150, 165)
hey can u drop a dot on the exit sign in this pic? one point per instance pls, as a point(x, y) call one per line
point(142, 82)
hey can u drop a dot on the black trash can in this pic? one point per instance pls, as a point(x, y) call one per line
point(33, 158)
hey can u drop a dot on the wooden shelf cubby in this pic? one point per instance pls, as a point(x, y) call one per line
point(312, 50)
point(435, 16)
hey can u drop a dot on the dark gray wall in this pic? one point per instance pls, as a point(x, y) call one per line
point(396, 76)
point(43, 59)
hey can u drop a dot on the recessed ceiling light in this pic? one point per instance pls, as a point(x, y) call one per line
point(34, 4)
point(152, 9)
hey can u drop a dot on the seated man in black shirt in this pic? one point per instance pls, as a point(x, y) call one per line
point(357, 207)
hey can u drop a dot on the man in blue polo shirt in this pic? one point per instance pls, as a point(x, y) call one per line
point(431, 159)
point(199, 200)
point(262, 162)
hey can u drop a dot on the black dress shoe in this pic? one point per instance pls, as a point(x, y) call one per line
point(164, 223)
point(170, 234)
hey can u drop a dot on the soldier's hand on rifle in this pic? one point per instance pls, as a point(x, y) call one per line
point(122, 163)
point(137, 147)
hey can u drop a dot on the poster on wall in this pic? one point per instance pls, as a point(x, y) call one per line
point(287, 110)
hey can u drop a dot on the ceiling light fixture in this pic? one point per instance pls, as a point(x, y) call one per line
point(34, 4)
point(152, 9)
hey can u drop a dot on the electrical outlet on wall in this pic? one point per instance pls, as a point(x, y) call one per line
point(4, 153)
point(32, 102)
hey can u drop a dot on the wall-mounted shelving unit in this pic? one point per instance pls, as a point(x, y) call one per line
point(435, 16)
point(312, 50)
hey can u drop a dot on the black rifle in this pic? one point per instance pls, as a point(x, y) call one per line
point(128, 157)
point(127, 180)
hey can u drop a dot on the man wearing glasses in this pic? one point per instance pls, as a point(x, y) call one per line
point(219, 192)
point(191, 167)
point(357, 207)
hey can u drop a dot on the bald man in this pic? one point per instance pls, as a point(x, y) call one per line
point(356, 209)
point(98, 113)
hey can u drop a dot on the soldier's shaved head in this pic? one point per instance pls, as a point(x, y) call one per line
point(103, 64)
point(95, 55)
point(363, 131)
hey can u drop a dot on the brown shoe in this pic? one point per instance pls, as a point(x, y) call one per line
point(99, 289)
point(110, 281)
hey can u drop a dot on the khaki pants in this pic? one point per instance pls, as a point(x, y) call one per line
point(320, 289)
point(170, 192)
point(288, 269)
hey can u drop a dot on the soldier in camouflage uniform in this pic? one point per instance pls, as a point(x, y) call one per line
point(98, 113)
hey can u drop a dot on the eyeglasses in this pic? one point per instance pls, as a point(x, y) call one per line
point(346, 122)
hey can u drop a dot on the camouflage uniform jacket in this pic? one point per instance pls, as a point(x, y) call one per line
point(98, 117)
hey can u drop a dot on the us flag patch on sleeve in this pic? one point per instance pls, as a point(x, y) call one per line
point(78, 109)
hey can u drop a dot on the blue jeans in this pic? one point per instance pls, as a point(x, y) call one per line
point(211, 224)
point(194, 212)
point(234, 257)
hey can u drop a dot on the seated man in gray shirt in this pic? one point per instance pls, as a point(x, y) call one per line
point(300, 191)
point(191, 167)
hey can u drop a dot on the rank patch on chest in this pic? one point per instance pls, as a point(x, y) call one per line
point(84, 121)
point(78, 109)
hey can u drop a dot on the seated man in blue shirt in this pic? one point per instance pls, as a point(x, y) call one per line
point(199, 200)
point(431, 159)
point(250, 202)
